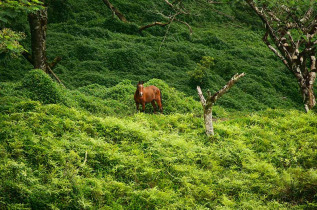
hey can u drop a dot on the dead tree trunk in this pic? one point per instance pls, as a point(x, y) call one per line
point(211, 100)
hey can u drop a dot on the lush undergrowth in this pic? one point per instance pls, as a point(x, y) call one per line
point(89, 149)
point(59, 156)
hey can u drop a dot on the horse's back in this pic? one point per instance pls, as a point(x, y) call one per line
point(152, 87)
point(152, 92)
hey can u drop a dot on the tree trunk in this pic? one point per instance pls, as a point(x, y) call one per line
point(211, 100)
point(208, 121)
point(38, 27)
point(308, 91)
point(306, 82)
point(310, 100)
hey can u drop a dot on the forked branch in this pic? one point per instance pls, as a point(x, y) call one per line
point(211, 99)
point(178, 9)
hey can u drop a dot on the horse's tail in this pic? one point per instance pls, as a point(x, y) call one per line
point(161, 97)
point(161, 100)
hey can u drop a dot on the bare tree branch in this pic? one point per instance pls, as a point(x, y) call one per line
point(115, 11)
point(55, 62)
point(154, 24)
point(188, 26)
point(225, 89)
point(169, 25)
point(216, 2)
point(55, 76)
point(307, 15)
point(171, 5)
point(178, 9)
point(201, 96)
point(266, 41)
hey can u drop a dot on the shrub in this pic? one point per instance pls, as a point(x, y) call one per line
point(41, 87)
point(212, 40)
point(118, 99)
point(179, 60)
point(124, 59)
point(121, 27)
point(199, 76)
point(59, 10)
point(85, 51)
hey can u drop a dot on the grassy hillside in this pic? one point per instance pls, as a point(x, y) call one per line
point(98, 49)
point(86, 147)
point(67, 155)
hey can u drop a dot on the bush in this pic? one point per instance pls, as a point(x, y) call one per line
point(85, 51)
point(199, 76)
point(124, 59)
point(212, 40)
point(118, 99)
point(59, 10)
point(121, 27)
point(41, 87)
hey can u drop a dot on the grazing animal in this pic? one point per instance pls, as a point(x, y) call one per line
point(148, 94)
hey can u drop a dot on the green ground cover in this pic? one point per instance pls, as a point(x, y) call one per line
point(86, 152)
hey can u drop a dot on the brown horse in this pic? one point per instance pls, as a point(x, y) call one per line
point(148, 94)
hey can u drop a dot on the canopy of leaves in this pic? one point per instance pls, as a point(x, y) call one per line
point(9, 41)
point(10, 9)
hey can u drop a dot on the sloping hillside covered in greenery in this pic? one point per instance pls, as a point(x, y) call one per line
point(74, 155)
point(86, 147)
point(96, 48)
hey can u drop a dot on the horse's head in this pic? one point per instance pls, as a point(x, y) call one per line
point(140, 88)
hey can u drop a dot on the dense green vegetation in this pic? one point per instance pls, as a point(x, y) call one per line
point(98, 49)
point(85, 147)
point(79, 153)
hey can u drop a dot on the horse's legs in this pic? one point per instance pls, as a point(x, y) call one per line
point(137, 106)
point(143, 106)
point(154, 106)
point(159, 105)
